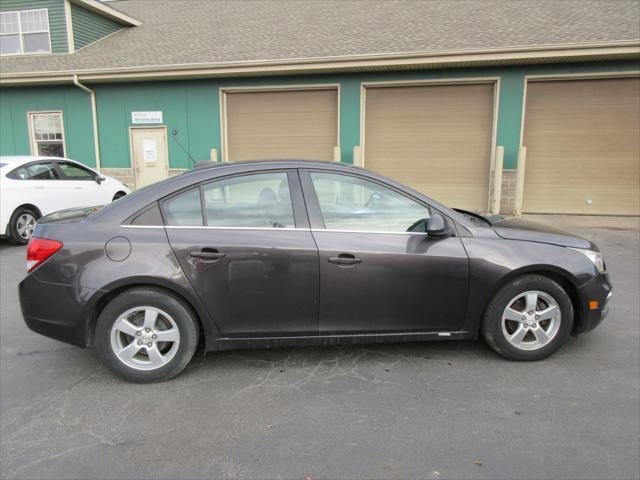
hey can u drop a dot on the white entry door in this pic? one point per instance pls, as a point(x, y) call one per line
point(149, 155)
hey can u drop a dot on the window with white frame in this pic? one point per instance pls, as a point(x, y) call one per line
point(26, 31)
point(47, 136)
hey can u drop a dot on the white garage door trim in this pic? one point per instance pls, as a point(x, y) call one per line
point(440, 81)
point(559, 77)
point(267, 88)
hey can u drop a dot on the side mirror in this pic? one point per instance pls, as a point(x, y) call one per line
point(438, 226)
point(99, 179)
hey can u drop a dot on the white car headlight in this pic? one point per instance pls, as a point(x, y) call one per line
point(595, 257)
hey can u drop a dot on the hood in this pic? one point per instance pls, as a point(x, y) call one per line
point(518, 229)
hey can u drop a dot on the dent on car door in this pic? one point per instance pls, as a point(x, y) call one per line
point(375, 276)
point(244, 243)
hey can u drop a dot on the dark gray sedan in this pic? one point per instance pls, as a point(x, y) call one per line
point(300, 253)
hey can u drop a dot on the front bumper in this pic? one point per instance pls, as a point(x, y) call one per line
point(599, 290)
point(55, 310)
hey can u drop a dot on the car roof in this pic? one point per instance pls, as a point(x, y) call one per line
point(13, 161)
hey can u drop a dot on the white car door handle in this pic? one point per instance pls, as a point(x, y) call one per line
point(39, 187)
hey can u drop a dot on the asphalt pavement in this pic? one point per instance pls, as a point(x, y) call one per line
point(419, 410)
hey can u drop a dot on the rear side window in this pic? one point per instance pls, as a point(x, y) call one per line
point(260, 200)
point(35, 171)
point(149, 216)
point(184, 209)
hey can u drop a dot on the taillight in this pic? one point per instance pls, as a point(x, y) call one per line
point(39, 250)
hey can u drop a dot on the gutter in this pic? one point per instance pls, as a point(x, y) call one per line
point(94, 114)
point(416, 60)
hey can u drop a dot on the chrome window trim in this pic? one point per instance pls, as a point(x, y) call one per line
point(331, 230)
point(275, 229)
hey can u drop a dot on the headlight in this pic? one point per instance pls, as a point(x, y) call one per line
point(595, 257)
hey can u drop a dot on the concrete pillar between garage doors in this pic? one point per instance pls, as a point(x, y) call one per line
point(519, 196)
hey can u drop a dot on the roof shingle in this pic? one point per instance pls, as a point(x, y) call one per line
point(183, 32)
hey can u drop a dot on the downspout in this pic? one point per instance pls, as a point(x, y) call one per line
point(94, 114)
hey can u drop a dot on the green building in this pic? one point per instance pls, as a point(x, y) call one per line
point(485, 105)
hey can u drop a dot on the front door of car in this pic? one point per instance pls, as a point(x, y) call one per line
point(87, 192)
point(245, 245)
point(375, 275)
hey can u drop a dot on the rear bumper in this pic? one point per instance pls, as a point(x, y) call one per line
point(56, 311)
point(599, 289)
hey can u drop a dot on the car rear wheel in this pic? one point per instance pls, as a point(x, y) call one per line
point(22, 224)
point(528, 319)
point(146, 335)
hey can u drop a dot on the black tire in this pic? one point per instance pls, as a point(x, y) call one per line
point(14, 233)
point(492, 329)
point(177, 309)
point(118, 195)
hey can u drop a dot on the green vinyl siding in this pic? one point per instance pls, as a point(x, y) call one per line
point(191, 109)
point(89, 27)
point(17, 103)
point(57, 23)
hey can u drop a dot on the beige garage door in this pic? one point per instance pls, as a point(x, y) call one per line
point(436, 139)
point(583, 147)
point(299, 124)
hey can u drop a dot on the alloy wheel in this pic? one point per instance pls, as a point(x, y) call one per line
point(25, 225)
point(145, 338)
point(531, 320)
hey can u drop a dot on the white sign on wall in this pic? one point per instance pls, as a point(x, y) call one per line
point(146, 117)
point(149, 151)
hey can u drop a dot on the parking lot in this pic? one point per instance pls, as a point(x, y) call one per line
point(417, 410)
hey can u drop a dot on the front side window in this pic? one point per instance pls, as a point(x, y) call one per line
point(250, 201)
point(35, 171)
point(25, 31)
point(352, 203)
point(75, 172)
point(47, 134)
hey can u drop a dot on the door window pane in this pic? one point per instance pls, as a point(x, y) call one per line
point(184, 209)
point(47, 134)
point(41, 171)
point(251, 201)
point(75, 172)
point(351, 203)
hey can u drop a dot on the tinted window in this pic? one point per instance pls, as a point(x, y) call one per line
point(74, 172)
point(150, 216)
point(254, 201)
point(184, 209)
point(351, 203)
point(35, 171)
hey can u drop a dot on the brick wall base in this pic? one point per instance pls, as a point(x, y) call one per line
point(127, 176)
point(508, 195)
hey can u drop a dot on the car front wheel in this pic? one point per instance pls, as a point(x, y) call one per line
point(528, 319)
point(146, 335)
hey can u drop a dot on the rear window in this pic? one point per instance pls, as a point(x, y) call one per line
point(184, 209)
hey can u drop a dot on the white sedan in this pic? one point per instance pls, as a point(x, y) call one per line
point(31, 187)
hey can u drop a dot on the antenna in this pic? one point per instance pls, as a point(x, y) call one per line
point(174, 134)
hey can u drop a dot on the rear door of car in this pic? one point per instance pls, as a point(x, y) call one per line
point(39, 184)
point(249, 253)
